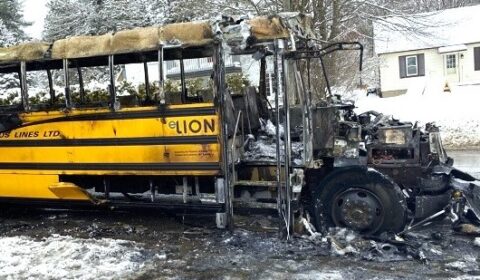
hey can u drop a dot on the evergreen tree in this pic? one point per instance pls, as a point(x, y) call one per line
point(68, 18)
point(11, 15)
point(7, 37)
point(116, 15)
point(11, 33)
point(158, 11)
point(188, 10)
point(92, 17)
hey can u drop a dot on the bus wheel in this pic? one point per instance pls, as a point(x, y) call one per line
point(364, 201)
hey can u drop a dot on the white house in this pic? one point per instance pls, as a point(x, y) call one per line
point(429, 52)
point(198, 67)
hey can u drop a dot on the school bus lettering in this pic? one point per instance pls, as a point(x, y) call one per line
point(30, 134)
point(209, 126)
point(54, 133)
point(26, 134)
point(193, 126)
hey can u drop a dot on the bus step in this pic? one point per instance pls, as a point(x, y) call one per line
point(254, 205)
point(246, 183)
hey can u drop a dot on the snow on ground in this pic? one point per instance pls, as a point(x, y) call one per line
point(65, 257)
point(306, 275)
point(456, 112)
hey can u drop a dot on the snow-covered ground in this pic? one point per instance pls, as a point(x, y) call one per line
point(65, 257)
point(164, 248)
point(456, 112)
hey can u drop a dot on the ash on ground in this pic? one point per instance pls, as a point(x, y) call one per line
point(53, 244)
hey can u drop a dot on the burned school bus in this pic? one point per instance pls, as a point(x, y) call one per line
point(193, 150)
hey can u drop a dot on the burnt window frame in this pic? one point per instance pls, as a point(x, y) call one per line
point(160, 55)
point(16, 69)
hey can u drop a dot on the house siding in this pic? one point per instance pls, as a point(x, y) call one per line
point(198, 67)
point(470, 75)
point(435, 77)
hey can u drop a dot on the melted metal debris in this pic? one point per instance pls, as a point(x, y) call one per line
point(264, 148)
point(424, 245)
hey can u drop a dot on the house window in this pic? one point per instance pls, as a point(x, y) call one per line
point(476, 57)
point(412, 65)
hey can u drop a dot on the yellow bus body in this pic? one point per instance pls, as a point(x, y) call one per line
point(170, 140)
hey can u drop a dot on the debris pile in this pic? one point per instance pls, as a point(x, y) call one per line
point(424, 245)
point(263, 148)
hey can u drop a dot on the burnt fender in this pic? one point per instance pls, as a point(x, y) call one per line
point(449, 170)
point(468, 185)
point(369, 171)
point(471, 192)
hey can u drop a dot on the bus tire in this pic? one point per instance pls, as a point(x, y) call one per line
point(360, 199)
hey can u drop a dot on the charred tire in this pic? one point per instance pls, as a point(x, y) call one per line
point(360, 199)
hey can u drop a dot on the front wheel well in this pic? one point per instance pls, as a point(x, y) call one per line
point(384, 195)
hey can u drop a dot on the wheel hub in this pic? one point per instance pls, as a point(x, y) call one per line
point(358, 209)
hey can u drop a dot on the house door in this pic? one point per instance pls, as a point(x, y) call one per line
point(452, 69)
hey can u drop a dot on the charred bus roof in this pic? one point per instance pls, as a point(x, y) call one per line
point(141, 44)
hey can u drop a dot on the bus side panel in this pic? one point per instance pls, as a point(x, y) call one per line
point(144, 142)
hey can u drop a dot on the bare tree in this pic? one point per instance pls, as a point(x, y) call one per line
point(351, 20)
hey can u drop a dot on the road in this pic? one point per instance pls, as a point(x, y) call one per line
point(467, 160)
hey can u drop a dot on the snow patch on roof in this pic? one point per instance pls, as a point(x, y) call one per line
point(427, 30)
point(454, 48)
